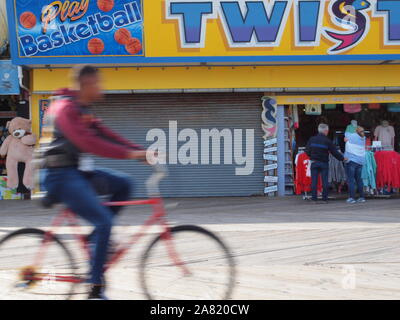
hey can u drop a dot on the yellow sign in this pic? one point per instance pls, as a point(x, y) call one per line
point(269, 30)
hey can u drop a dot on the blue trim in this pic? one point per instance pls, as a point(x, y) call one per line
point(234, 59)
point(317, 145)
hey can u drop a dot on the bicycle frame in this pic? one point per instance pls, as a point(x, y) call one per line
point(70, 218)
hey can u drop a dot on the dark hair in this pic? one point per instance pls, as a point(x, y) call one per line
point(81, 71)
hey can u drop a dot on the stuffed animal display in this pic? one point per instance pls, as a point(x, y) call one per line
point(18, 147)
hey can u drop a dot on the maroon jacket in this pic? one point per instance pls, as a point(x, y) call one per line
point(73, 129)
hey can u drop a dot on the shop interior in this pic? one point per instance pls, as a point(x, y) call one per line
point(380, 121)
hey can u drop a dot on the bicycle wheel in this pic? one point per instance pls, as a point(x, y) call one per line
point(193, 264)
point(34, 266)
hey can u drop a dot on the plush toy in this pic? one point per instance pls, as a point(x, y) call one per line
point(18, 147)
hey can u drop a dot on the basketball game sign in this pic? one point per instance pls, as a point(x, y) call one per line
point(203, 31)
point(81, 28)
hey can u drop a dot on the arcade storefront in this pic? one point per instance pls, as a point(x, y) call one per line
point(228, 69)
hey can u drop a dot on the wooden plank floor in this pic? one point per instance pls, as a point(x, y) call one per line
point(284, 248)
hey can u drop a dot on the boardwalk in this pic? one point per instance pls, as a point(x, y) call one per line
point(285, 249)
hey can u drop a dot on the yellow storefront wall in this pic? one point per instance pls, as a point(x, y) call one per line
point(157, 78)
point(153, 78)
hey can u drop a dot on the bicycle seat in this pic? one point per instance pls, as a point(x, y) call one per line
point(46, 201)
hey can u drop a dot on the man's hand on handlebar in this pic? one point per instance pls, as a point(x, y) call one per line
point(137, 155)
point(143, 155)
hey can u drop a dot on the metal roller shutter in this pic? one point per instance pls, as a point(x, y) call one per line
point(134, 115)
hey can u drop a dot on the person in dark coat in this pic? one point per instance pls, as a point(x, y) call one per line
point(318, 149)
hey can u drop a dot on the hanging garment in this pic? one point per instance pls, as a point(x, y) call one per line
point(388, 169)
point(385, 135)
point(296, 116)
point(394, 107)
point(313, 109)
point(352, 107)
point(337, 172)
point(374, 106)
point(368, 142)
point(330, 106)
point(302, 178)
point(368, 172)
point(351, 129)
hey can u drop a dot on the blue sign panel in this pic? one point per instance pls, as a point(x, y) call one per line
point(9, 83)
point(76, 29)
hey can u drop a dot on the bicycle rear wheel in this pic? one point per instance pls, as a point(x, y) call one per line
point(192, 264)
point(35, 266)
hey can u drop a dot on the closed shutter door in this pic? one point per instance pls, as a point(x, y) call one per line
point(134, 115)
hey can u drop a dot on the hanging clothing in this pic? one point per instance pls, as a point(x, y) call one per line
point(386, 135)
point(337, 172)
point(352, 107)
point(303, 174)
point(351, 129)
point(295, 116)
point(388, 169)
point(368, 172)
point(374, 106)
point(393, 107)
point(313, 109)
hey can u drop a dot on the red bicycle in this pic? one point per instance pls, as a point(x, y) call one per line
point(181, 262)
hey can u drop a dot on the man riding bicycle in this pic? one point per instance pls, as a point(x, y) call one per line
point(70, 133)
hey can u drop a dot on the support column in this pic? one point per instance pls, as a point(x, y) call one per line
point(280, 119)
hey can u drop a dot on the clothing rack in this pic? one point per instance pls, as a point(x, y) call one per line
point(374, 149)
point(379, 193)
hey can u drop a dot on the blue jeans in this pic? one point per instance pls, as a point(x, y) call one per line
point(354, 170)
point(316, 169)
point(79, 192)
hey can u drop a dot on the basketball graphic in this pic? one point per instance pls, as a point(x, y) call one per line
point(133, 46)
point(122, 36)
point(96, 46)
point(105, 5)
point(27, 20)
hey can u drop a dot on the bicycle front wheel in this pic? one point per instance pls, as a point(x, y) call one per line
point(35, 266)
point(188, 262)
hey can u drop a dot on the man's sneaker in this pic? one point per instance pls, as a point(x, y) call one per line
point(97, 293)
point(351, 200)
point(361, 200)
